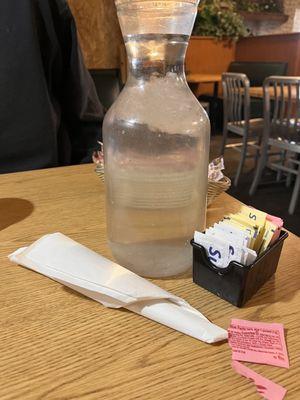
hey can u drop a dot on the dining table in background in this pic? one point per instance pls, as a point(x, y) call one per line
point(258, 92)
point(195, 79)
point(57, 344)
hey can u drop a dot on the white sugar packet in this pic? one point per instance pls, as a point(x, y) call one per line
point(223, 226)
point(68, 262)
point(250, 257)
point(217, 232)
point(217, 250)
point(222, 249)
point(220, 252)
point(236, 242)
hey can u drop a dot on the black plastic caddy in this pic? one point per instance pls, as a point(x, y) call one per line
point(237, 283)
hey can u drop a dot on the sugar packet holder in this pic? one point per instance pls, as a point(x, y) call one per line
point(236, 283)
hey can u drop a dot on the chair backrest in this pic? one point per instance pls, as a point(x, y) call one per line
point(282, 105)
point(236, 99)
point(108, 85)
point(258, 71)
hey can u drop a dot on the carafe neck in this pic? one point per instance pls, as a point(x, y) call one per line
point(155, 55)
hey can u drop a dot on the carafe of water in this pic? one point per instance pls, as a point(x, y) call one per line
point(156, 144)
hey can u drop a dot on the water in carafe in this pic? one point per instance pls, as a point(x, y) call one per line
point(156, 139)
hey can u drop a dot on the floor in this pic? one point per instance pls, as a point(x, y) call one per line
point(273, 198)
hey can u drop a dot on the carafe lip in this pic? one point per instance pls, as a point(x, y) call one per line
point(156, 3)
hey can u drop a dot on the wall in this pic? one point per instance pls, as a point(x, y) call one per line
point(279, 48)
point(100, 35)
point(297, 21)
point(207, 55)
point(99, 32)
point(270, 28)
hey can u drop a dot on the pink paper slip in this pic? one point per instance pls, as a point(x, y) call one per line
point(279, 223)
point(266, 388)
point(276, 220)
point(258, 342)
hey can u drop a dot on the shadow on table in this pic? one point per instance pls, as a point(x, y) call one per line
point(13, 210)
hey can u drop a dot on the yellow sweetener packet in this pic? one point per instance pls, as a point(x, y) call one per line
point(247, 220)
point(243, 227)
point(257, 216)
point(244, 220)
point(269, 232)
point(260, 218)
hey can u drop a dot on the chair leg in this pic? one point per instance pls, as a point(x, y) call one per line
point(242, 162)
point(282, 161)
point(257, 154)
point(294, 199)
point(289, 175)
point(259, 170)
point(224, 139)
point(256, 159)
point(289, 180)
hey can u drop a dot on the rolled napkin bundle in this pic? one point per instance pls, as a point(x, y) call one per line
point(73, 265)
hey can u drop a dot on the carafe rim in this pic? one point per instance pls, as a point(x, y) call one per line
point(157, 3)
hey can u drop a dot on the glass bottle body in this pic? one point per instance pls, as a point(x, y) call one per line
point(156, 147)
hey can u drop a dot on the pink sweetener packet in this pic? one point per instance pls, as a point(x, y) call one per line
point(265, 387)
point(258, 342)
point(279, 223)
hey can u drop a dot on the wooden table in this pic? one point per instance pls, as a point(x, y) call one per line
point(258, 91)
point(195, 79)
point(203, 78)
point(58, 345)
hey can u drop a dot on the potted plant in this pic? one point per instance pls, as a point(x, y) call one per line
point(262, 10)
point(273, 6)
point(219, 18)
point(212, 46)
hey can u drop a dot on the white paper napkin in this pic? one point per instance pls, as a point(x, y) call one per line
point(68, 262)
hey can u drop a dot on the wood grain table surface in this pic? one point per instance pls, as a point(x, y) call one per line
point(56, 344)
point(203, 78)
point(258, 91)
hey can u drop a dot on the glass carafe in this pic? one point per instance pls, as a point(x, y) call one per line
point(156, 144)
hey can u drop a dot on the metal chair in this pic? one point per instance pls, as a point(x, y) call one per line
point(236, 101)
point(281, 131)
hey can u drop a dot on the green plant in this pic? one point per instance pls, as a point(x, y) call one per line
point(219, 18)
point(258, 5)
point(270, 6)
point(248, 6)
